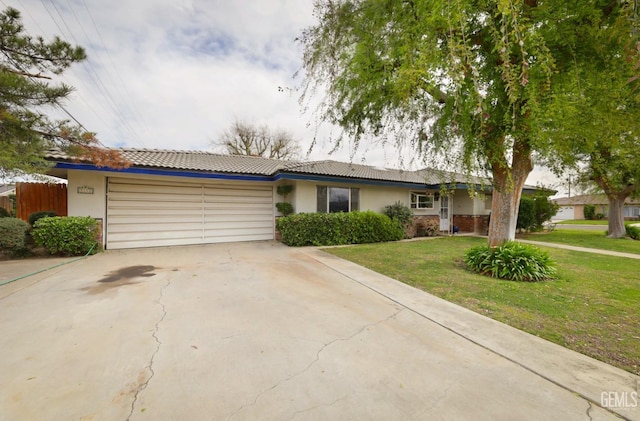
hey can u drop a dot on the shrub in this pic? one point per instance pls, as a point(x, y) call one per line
point(68, 235)
point(285, 208)
point(526, 214)
point(589, 212)
point(13, 236)
point(633, 232)
point(38, 215)
point(534, 212)
point(400, 213)
point(4, 213)
point(544, 210)
point(512, 261)
point(326, 229)
point(600, 216)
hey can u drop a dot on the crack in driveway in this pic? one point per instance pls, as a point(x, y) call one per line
point(149, 367)
point(327, 405)
point(315, 360)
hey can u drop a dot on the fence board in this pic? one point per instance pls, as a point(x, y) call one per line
point(36, 197)
point(5, 202)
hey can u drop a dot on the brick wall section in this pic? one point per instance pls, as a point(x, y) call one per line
point(413, 228)
point(471, 223)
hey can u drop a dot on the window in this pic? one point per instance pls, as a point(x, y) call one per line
point(631, 211)
point(337, 199)
point(421, 201)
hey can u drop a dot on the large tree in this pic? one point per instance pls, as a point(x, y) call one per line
point(243, 138)
point(466, 78)
point(599, 105)
point(27, 68)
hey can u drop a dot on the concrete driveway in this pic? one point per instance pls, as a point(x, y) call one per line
point(259, 331)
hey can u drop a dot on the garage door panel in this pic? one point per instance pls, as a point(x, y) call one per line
point(155, 212)
point(264, 234)
point(158, 228)
point(155, 219)
point(135, 197)
point(153, 189)
point(240, 218)
point(142, 213)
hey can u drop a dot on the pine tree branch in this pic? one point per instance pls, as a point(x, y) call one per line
point(21, 73)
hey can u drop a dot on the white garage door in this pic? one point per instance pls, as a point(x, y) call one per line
point(142, 213)
point(565, 212)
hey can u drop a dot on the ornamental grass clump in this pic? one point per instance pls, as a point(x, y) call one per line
point(512, 261)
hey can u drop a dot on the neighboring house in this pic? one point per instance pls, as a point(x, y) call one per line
point(192, 197)
point(5, 201)
point(573, 207)
point(7, 189)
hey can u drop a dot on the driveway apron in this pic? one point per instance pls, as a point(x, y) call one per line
point(246, 331)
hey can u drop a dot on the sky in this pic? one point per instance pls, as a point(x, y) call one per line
point(174, 74)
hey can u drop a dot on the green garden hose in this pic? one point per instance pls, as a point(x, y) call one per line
point(49, 268)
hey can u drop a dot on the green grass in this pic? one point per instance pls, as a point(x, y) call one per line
point(592, 308)
point(584, 222)
point(590, 239)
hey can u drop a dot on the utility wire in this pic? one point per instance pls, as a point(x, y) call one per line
point(93, 75)
point(131, 105)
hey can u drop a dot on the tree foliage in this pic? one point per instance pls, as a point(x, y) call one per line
point(243, 138)
point(28, 66)
point(468, 79)
point(599, 104)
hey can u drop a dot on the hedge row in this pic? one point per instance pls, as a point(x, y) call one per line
point(328, 229)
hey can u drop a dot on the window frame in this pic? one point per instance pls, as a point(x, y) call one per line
point(416, 204)
point(323, 193)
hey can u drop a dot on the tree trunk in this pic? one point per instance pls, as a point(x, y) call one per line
point(616, 216)
point(504, 211)
point(507, 190)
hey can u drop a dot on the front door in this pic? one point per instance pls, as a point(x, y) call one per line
point(444, 213)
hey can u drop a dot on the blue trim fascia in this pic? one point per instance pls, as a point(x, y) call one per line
point(268, 178)
point(171, 173)
point(330, 179)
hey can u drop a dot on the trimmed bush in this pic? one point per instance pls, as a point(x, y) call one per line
point(399, 212)
point(4, 213)
point(633, 232)
point(512, 261)
point(328, 229)
point(13, 236)
point(285, 208)
point(589, 212)
point(68, 235)
point(41, 214)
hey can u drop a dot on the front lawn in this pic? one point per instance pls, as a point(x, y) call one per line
point(592, 308)
point(590, 239)
point(584, 222)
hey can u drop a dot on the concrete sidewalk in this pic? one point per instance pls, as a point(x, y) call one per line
point(582, 249)
point(262, 331)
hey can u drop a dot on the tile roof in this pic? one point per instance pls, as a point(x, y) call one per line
point(590, 199)
point(193, 161)
point(201, 161)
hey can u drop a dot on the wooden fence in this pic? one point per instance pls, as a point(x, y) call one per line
point(7, 203)
point(36, 197)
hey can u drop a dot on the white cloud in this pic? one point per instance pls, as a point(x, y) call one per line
point(175, 73)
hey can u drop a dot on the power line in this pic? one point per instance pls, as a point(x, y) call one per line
point(132, 106)
point(93, 75)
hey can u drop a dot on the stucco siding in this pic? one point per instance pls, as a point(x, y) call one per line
point(372, 198)
point(462, 203)
point(84, 204)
